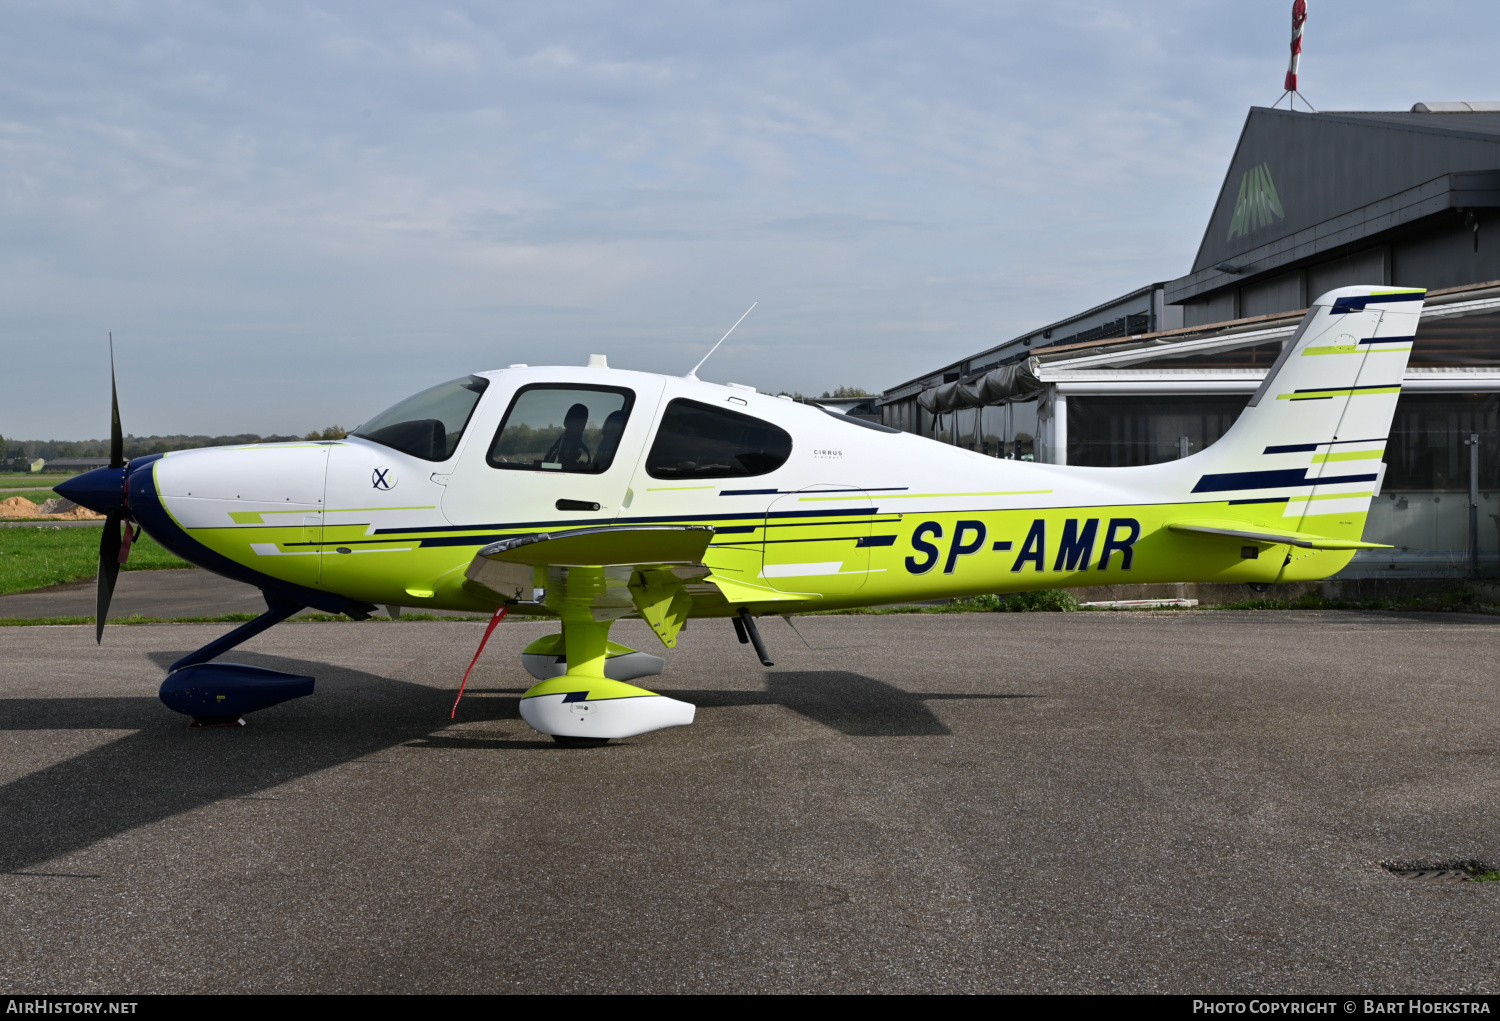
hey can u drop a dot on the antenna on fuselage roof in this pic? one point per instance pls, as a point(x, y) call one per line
point(693, 373)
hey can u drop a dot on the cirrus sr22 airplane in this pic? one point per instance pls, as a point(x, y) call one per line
point(589, 494)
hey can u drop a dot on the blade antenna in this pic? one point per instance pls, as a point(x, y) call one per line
point(693, 374)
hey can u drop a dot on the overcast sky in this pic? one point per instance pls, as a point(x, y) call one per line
point(294, 215)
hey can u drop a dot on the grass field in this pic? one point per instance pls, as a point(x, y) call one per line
point(22, 480)
point(33, 558)
point(34, 495)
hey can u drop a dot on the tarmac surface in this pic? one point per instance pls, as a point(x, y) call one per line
point(1192, 802)
point(168, 593)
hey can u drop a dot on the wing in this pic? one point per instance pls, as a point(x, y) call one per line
point(656, 571)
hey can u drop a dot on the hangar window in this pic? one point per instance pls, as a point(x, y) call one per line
point(700, 441)
point(563, 427)
point(429, 424)
point(853, 420)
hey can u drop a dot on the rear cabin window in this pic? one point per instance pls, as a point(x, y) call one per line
point(429, 424)
point(562, 427)
point(700, 441)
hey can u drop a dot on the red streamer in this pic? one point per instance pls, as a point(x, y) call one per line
point(130, 536)
point(497, 618)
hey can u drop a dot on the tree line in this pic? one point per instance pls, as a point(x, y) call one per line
point(139, 446)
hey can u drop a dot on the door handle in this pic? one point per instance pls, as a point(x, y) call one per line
point(576, 505)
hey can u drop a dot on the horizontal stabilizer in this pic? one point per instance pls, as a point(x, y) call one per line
point(1259, 533)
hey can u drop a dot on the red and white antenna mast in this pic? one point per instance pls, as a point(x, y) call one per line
point(1299, 18)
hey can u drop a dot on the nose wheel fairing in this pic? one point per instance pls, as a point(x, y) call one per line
point(595, 707)
point(584, 702)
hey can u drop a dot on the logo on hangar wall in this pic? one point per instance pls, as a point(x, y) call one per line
point(1258, 204)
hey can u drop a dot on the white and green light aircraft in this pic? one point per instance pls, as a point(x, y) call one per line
point(590, 494)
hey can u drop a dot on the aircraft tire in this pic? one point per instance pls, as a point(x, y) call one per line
point(580, 742)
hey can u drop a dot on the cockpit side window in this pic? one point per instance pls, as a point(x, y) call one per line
point(562, 427)
point(700, 441)
point(429, 424)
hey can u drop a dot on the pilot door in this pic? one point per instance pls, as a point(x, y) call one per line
point(817, 540)
point(562, 456)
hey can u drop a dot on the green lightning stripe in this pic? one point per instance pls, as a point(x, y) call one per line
point(1347, 391)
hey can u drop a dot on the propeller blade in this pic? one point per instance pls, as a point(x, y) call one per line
point(109, 570)
point(116, 437)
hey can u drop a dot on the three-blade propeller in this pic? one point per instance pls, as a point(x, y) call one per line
point(114, 547)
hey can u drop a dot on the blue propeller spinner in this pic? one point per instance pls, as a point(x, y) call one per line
point(213, 694)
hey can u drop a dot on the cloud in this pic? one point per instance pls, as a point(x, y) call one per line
point(294, 215)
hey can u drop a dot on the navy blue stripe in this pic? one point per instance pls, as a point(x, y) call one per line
point(1345, 389)
point(586, 522)
point(748, 492)
point(825, 524)
point(1388, 340)
point(1270, 480)
point(1337, 479)
point(563, 523)
point(485, 540)
point(876, 540)
point(1251, 480)
point(463, 540)
point(1357, 303)
point(1261, 499)
point(1292, 448)
point(858, 540)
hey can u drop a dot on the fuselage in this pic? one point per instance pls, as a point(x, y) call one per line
point(811, 509)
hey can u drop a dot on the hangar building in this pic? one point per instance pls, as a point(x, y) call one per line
point(1311, 201)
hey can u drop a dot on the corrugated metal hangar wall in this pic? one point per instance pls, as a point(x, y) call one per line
point(1310, 202)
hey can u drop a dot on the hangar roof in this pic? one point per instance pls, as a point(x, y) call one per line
point(1289, 195)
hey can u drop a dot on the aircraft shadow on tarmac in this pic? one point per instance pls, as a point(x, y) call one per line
point(163, 769)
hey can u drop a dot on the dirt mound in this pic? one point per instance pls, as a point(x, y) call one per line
point(56, 509)
point(76, 514)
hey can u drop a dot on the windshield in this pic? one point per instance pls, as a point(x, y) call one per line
point(429, 424)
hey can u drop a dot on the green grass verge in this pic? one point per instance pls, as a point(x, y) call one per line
point(10, 482)
point(34, 495)
point(240, 618)
point(33, 558)
point(1452, 599)
point(1047, 600)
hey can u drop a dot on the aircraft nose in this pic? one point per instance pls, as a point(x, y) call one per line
point(101, 490)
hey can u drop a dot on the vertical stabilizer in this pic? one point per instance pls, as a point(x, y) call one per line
point(1311, 442)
